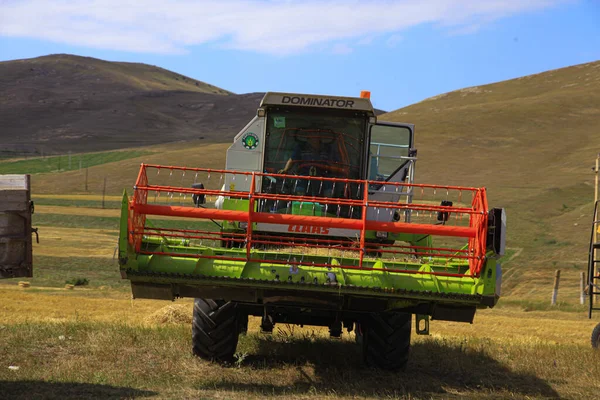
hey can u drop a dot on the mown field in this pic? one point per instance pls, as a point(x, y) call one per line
point(95, 342)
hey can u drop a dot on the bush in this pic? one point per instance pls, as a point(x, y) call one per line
point(78, 281)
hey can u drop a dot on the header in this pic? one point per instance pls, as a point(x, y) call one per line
point(318, 101)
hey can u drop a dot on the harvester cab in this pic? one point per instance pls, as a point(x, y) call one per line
point(315, 220)
point(297, 136)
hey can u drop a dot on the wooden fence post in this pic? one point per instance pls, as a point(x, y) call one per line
point(103, 192)
point(555, 290)
point(582, 288)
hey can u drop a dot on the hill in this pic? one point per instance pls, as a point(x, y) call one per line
point(63, 103)
point(60, 103)
point(531, 141)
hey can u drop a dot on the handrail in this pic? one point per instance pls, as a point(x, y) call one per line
point(475, 233)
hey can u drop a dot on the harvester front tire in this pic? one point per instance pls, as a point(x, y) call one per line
point(215, 330)
point(386, 340)
point(596, 337)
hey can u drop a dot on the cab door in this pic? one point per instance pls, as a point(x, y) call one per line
point(391, 159)
point(390, 151)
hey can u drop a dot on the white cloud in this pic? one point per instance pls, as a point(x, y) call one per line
point(341, 48)
point(267, 26)
point(366, 40)
point(393, 40)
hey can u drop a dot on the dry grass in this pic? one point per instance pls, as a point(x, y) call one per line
point(71, 242)
point(86, 342)
point(75, 346)
point(171, 314)
point(57, 305)
point(97, 197)
point(96, 212)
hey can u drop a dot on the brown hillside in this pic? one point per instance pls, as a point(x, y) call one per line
point(532, 142)
point(521, 133)
point(63, 103)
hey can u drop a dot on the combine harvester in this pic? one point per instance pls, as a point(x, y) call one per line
point(315, 220)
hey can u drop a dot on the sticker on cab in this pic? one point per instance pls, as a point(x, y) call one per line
point(250, 141)
point(279, 122)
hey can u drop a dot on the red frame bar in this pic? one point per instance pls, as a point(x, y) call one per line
point(476, 232)
point(288, 219)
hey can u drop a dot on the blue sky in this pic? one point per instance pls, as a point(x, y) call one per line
point(402, 51)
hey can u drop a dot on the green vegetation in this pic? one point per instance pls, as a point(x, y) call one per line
point(112, 223)
point(78, 281)
point(76, 221)
point(43, 201)
point(52, 271)
point(61, 163)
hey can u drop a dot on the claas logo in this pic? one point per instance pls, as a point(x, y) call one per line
point(308, 229)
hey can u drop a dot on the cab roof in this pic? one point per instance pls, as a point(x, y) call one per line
point(317, 101)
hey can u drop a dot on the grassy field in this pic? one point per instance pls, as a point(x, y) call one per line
point(98, 343)
point(74, 162)
point(95, 342)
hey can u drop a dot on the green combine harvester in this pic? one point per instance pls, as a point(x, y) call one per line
point(315, 220)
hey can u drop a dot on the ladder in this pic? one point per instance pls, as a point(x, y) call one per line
point(594, 260)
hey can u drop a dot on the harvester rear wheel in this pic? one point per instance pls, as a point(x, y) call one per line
point(386, 340)
point(596, 337)
point(215, 330)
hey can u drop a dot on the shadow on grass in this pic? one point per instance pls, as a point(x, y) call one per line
point(435, 369)
point(67, 390)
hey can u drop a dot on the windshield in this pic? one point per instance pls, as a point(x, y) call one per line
point(316, 143)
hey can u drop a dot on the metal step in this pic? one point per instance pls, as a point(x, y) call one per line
point(596, 245)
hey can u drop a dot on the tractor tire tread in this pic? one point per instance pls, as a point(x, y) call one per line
point(386, 340)
point(595, 339)
point(214, 330)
